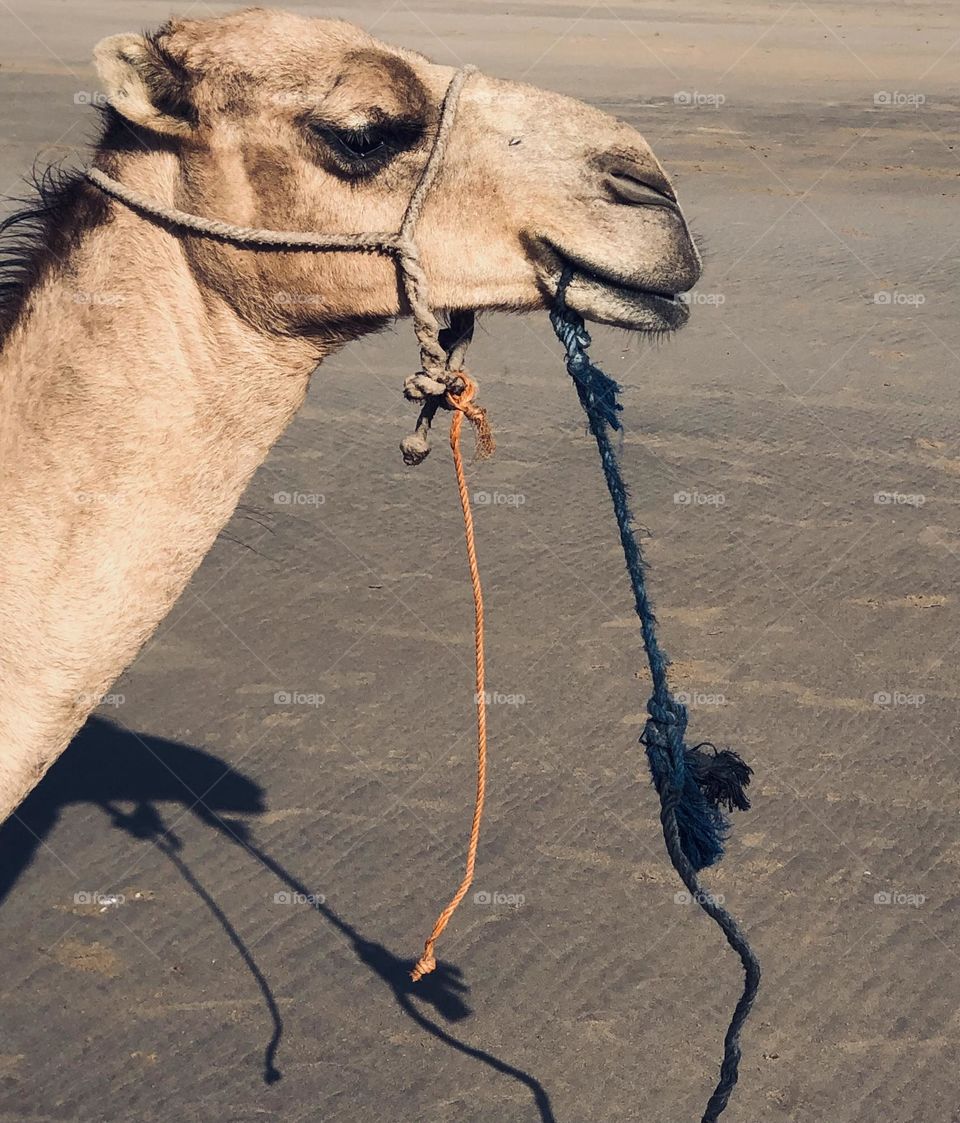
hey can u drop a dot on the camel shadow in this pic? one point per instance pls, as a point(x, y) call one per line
point(109, 766)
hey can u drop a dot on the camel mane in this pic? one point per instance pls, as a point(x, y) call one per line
point(58, 209)
point(51, 220)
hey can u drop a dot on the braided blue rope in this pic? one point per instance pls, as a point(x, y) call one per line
point(691, 783)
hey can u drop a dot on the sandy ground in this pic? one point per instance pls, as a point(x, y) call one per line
point(790, 600)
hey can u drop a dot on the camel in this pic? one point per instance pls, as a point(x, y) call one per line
point(146, 372)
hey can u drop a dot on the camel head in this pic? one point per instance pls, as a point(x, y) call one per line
point(267, 119)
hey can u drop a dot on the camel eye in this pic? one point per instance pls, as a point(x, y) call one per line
point(358, 144)
point(360, 152)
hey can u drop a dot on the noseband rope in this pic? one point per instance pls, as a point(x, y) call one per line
point(693, 784)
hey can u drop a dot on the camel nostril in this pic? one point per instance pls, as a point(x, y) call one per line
point(634, 181)
point(640, 190)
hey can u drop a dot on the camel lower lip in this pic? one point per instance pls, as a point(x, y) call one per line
point(607, 301)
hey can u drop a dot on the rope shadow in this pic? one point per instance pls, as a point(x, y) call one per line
point(441, 989)
point(109, 766)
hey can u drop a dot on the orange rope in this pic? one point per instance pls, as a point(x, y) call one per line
point(462, 406)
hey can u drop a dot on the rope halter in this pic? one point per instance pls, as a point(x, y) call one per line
point(438, 384)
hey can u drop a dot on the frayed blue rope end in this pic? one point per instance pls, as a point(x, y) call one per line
point(706, 781)
point(701, 782)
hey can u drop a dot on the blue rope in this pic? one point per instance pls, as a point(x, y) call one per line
point(693, 783)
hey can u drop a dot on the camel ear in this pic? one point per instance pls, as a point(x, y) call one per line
point(146, 84)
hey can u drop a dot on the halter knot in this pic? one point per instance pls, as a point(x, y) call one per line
point(456, 391)
point(420, 386)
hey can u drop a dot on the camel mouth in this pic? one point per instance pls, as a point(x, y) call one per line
point(604, 298)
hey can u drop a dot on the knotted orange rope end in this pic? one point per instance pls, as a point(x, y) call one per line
point(425, 964)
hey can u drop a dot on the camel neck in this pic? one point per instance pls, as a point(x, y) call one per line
point(134, 408)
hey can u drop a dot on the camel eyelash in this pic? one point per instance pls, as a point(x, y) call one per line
point(358, 144)
point(366, 149)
